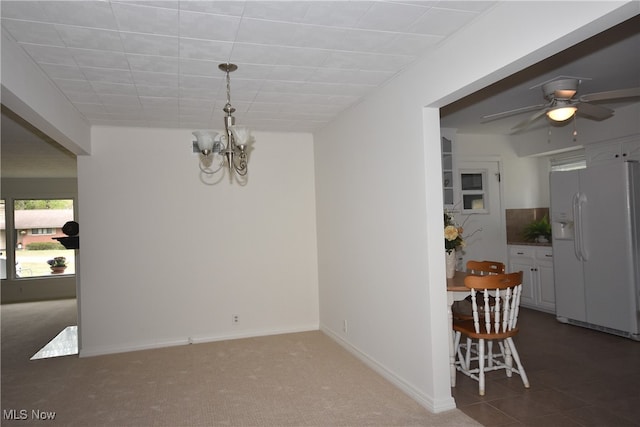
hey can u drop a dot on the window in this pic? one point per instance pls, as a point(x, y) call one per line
point(37, 224)
point(569, 161)
point(473, 191)
point(42, 231)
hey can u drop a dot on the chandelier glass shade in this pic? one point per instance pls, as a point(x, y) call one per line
point(229, 148)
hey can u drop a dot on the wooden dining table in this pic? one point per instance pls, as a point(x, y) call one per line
point(456, 291)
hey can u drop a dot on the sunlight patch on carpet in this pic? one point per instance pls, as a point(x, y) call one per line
point(64, 344)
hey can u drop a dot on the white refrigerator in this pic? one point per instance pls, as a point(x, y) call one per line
point(595, 219)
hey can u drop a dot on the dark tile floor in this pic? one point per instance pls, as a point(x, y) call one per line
point(578, 377)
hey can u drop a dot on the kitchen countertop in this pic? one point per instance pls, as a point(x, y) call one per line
point(529, 244)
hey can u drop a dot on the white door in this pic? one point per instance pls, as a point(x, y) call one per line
point(478, 209)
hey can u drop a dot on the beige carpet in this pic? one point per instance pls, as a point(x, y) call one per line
point(302, 379)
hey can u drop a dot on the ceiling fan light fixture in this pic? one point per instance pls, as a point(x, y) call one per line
point(560, 114)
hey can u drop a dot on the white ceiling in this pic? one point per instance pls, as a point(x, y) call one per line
point(155, 63)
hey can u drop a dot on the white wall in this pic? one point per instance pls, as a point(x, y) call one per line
point(166, 258)
point(379, 193)
point(523, 177)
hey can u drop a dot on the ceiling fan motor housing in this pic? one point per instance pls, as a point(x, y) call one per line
point(560, 89)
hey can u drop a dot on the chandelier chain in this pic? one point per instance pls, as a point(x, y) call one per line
point(228, 89)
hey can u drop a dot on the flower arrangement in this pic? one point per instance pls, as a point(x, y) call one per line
point(58, 261)
point(452, 234)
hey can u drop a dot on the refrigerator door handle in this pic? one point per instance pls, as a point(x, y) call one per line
point(577, 240)
point(582, 200)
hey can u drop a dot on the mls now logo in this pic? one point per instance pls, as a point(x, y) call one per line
point(23, 414)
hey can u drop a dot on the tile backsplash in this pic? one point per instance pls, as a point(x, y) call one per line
point(518, 219)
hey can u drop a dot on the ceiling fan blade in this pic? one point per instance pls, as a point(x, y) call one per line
point(525, 123)
point(611, 94)
point(502, 115)
point(594, 112)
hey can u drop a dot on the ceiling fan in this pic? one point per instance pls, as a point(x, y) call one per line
point(562, 104)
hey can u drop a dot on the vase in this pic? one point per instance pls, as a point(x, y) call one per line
point(58, 270)
point(451, 263)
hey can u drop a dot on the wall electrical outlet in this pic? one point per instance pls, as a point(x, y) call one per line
point(344, 325)
point(235, 319)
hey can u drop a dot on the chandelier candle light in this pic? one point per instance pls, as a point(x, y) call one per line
point(232, 146)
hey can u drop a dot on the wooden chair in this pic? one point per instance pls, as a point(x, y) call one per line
point(483, 268)
point(497, 322)
point(462, 309)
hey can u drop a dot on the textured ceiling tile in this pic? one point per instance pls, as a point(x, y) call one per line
point(205, 49)
point(469, 5)
point(285, 72)
point(266, 32)
point(63, 71)
point(157, 91)
point(73, 85)
point(324, 13)
point(112, 88)
point(256, 54)
point(409, 44)
point(85, 107)
point(94, 14)
point(200, 68)
point(142, 19)
point(208, 27)
point(148, 44)
point(198, 92)
point(297, 56)
point(156, 64)
point(366, 41)
point(158, 102)
point(234, 7)
point(146, 78)
point(336, 75)
point(196, 103)
point(33, 32)
point(320, 37)
point(90, 38)
point(107, 75)
point(276, 10)
point(441, 22)
point(195, 82)
point(100, 59)
point(49, 55)
point(29, 10)
point(159, 3)
point(120, 100)
point(390, 17)
point(366, 61)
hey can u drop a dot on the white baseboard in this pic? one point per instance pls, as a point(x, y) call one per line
point(428, 402)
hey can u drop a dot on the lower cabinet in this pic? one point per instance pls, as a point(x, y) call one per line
point(536, 264)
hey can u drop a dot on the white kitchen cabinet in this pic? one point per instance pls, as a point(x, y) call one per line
point(610, 152)
point(536, 264)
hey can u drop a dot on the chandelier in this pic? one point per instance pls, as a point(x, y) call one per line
point(228, 149)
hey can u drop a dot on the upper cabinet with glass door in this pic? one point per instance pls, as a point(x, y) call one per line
point(447, 173)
